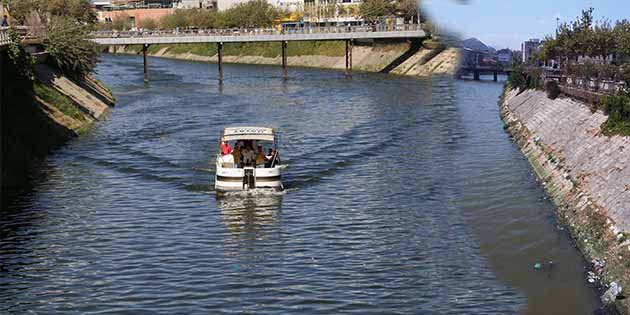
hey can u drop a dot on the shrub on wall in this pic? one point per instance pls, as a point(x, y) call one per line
point(68, 46)
point(617, 107)
point(552, 89)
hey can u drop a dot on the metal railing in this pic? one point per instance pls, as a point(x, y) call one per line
point(595, 85)
point(259, 31)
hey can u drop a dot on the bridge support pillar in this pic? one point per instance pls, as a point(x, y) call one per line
point(285, 72)
point(476, 75)
point(496, 76)
point(145, 47)
point(349, 58)
point(220, 61)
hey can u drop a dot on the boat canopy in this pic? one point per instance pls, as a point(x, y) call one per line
point(248, 133)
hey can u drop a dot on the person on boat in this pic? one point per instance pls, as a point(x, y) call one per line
point(269, 158)
point(274, 159)
point(225, 148)
point(260, 157)
point(237, 155)
point(248, 156)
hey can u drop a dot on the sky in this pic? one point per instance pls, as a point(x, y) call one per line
point(507, 23)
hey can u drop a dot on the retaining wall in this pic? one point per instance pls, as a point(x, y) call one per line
point(586, 173)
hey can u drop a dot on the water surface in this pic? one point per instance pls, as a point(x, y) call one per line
point(405, 196)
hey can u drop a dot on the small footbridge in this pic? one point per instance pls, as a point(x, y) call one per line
point(219, 37)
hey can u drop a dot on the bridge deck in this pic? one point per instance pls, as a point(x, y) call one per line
point(217, 38)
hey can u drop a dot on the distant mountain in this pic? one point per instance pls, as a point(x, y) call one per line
point(475, 44)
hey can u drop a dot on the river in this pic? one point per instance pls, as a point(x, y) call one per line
point(404, 196)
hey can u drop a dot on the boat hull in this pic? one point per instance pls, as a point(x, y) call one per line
point(242, 179)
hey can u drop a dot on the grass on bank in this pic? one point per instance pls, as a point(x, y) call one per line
point(60, 101)
point(264, 49)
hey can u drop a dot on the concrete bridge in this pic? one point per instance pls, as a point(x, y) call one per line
point(219, 37)
point(478, 70)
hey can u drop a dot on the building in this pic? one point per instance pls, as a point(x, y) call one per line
point(504, 56)
point(529, 48)
point(327, 12)
point(134, 15)
point(196, 4)
point(288, 5)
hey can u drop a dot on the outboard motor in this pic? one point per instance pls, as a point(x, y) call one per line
point(249, 179)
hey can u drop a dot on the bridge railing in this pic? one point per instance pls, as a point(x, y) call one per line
point(260, 31)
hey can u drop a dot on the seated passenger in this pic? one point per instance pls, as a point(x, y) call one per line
point(260, 157)
point(237, 155)
point(248, 157)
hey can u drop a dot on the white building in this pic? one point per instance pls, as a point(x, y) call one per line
point(196, 4)
point(289, 5)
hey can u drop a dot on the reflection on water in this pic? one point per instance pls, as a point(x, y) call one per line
point(404, 196)
point(249, 215)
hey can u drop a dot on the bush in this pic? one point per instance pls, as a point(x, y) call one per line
point(553, 89)
point(517, 78)
point(534, 79)
point(617, 107)
point(69, 49)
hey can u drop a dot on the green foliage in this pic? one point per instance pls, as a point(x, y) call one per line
point(517, 78)
point(21, 60)
point(585, 37)
point(534, 78)
point(371, 10)
point(175, 20)
point(617, 107)
point(254, 13)
point(69, 49)
point(622, 34)
point(148, 24)
point(121, 22)
point(60, 101)
point(552, 89)
point(78, 9)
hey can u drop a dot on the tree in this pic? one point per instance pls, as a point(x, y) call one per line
point(621, 34)
point(603, 40)
point(408, 9)
point(175, 20)
point(78, 9)
point(68, 47)
point(148, 24)
point(121, 22)
point(255, 13)
point(371, 10)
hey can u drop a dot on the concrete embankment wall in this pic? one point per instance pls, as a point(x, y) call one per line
point(587, 174)
point(41, 115)
point(399, 58)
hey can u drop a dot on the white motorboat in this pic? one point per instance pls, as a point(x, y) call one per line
point(237, 171)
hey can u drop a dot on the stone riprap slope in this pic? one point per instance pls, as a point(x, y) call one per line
point(586, 173)
point(599, 163)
